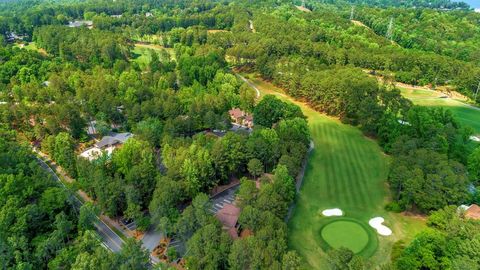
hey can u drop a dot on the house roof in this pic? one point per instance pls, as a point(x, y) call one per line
point(228, 215)
point(473, 212)
point(236, 113)
point(113, 138)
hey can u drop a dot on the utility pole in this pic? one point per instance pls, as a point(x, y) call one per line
point(389, 33)
point(303, 3)
point(351, 13)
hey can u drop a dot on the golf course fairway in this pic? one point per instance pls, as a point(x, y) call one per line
point(345, 170)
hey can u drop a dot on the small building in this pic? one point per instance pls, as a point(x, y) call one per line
point(241, 118)
point(106, 145)
point(89, 24)
point(473, 212)
point(12, 37)
point(228, 216)
point(148, 14)
point(113, 139)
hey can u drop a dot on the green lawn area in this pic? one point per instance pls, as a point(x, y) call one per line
point(345, 170)
point(466, 114)
point(142, 53)
point(339, 234)
point(31, 46)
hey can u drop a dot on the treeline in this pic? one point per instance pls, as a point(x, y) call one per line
point(442, 4)
point(81, 45)
point(325, 38)
point(450, 242)
point(413, 135)
point(39, 228)
point(454, 34)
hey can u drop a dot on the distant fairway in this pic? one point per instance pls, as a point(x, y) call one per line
point(466, 114)
point(348, 171)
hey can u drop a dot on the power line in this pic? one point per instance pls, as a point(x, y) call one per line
point(389, 33)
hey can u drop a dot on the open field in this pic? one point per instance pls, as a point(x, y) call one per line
point(348, 171)
point(466, 114)
point(143, 56)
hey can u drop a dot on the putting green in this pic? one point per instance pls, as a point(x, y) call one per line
point(346, 234)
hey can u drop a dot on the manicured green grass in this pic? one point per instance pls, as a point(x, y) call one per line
point(143, 53)
point(345, 170)
point(466, 114)
point(343, 233)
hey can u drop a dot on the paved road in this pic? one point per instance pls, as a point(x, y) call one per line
point(110, 239)
point(249, 83)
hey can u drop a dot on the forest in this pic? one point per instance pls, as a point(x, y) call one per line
point(56, 82)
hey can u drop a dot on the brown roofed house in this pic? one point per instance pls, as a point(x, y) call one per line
point(228, 216)
point(473, 212)
point(240, 117)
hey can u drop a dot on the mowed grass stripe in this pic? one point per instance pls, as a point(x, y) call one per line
point(362, 175)
point(356, 171)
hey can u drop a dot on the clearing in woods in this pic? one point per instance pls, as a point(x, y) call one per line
point(345, 170)
point(466, 114)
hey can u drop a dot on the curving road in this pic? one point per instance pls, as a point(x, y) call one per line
point(110, 239)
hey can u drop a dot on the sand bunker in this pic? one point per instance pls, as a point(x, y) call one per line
point(475, 138)
point(376, 223)
point(332, 212)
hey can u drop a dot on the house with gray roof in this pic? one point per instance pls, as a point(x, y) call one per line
point(113, 139)
point(106, 145)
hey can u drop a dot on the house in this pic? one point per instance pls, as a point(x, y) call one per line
point(241, 118)
point(148, 14)
point(89, 24)
point(12, 36)
point(228, 216)
point(113, 139)
point(473, 212)
point(106, 145)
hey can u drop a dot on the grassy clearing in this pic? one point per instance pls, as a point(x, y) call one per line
point(142, 53)
point(466, 114)
point(30, 46)
point(348, 171)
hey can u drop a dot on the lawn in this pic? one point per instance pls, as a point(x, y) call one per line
point(31, 46)
point(466, 114)
point(142, 53)
point(345, 170)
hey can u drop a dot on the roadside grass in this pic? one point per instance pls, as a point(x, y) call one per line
point(345, 170)
point(466, 114)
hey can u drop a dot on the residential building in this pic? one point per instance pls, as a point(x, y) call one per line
point(241, 118)
point(106, 145)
